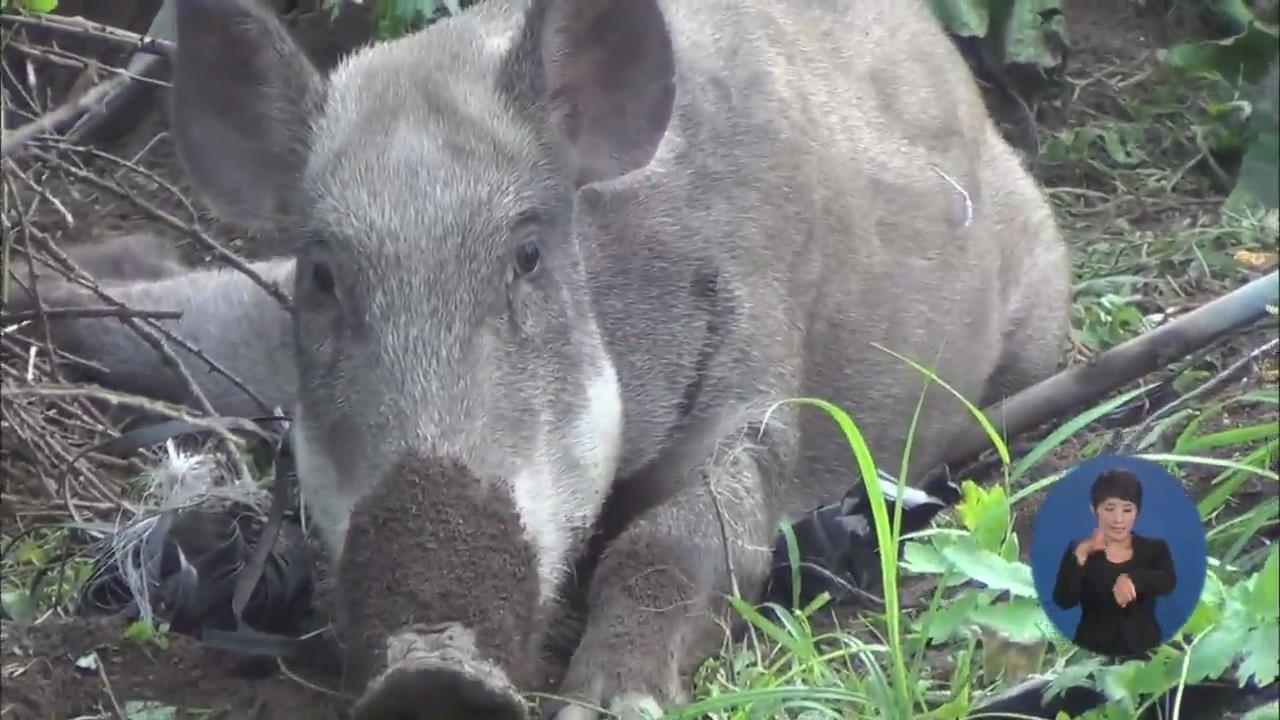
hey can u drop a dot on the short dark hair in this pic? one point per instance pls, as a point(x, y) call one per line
point(1116, 483)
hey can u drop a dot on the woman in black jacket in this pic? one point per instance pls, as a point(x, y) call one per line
point(1115, 574)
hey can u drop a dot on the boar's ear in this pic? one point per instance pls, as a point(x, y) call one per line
point(603, 71)
point(244, 96)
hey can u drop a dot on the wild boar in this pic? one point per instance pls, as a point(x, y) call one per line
point(555, 252)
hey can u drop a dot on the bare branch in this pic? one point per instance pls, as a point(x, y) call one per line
point(61, 116)
point(90, 312)
point(79, 26)
point(224, 254)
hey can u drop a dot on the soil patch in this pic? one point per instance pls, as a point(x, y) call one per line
point(82, 668)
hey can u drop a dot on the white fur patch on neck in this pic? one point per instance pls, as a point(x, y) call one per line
point(322, 492)
point(597, 437)
point(556, 506)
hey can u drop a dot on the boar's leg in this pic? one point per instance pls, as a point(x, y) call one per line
point(136, 256)
point(657, 601)
point(225, 315)
point(1038, 312)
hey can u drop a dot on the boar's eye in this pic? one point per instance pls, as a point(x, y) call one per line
point(322, 278)
point(315, 271)
point(528, 257)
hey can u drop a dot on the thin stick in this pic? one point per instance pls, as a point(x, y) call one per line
point(1119, 366)
point(40, 190)
point(169, 410)
point(214, 365)
point(16, 85)
point(226, 255)
point(284, 670)
point(10, 343)
point(132, 165)
point(149, 317)
point(60, 116)
point(157, 342)
point(63, 58)
point(1216, 383)
point(106, 684)
point(77, 25)
point(91, 312)
point(27, 231)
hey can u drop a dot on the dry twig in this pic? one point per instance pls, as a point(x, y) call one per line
point(59, 117)
point(209, 243)
point(90, 312)
point(119, 310)
point(1208, 389)
point(67, 59)
point(153, 336)
point(79, 26)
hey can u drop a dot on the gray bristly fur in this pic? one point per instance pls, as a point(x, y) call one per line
point(224, 314)
point(119, 257)
point(732, 201)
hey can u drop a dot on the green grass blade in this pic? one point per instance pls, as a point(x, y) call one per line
point(981, 417)
point(1067, 430)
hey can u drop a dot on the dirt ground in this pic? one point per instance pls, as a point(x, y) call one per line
point(81, 668)
point(1112, 50)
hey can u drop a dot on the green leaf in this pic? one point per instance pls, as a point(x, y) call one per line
point(773, 630)
point(1262, 396)
point(1265, 596)
point(1157, 674)
point(967, 18)
point(1266, 712)
point(1011, 550)
point(990, 569)
point(1002, 448)
point(1260, 656)
point(148, 710)
point(943, 623)
point(142, 632)
point(1021, 620)
point(1235, 437)
point(1065, 432)
point(1202, 618)
point(1030, 31)
point(1258, 182)
point(923, 558)
point(1246, 528)
point(1224, 486)
point(1213, 653)
point(985, 513)
point(1189, 380)
point(1123, 142)
point(1074, 675)
point(1176, 459)
point(1234, 14)
point(31, 553)
point(1242, 58)
point(40, 6)
point(1120, 684)
point(950, 710)
point(19, 605)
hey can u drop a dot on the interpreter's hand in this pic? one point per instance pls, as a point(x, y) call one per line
point(1094, 543)
point(1124, 590)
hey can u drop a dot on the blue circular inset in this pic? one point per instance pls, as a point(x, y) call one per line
point(1165, 514)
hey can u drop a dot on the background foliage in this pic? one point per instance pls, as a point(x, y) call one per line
point(960, 618)
point(1242, 62)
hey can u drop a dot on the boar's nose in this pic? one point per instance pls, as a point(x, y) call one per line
point(438, 596)
point(432, 674)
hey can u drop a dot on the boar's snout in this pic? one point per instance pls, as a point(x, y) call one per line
point(433, 674)
point(438, 596)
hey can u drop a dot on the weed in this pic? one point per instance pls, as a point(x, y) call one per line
point(144, 633)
